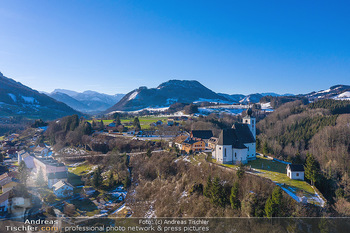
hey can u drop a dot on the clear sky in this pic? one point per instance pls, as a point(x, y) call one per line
point(229, 46)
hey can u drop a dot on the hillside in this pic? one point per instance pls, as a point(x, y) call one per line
point(183, 91)
point(321, 128)
point(17, 99)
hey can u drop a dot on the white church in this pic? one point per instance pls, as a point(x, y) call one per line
point(237, 144)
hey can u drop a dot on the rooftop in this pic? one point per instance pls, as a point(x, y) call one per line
point(50, 161)
point(295, 167)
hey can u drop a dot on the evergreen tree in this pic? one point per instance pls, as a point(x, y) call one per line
point(311, 169)
point(97, 178)
point(117, 121)
point(149, 153)
point(207, 188)
point(235, 203)
point(240, 171)
point(111, 181)
point(136, 123)
point(277, 199)
point(269, 208)
point(40, 181)
point(274, 203)
point(265, 149)
point(127, 182)
point(217, 193)
point(23, 172)
point(102, 126)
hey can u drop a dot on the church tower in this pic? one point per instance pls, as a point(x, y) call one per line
point(250, 121)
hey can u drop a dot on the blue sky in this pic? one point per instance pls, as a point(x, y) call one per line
point(229, 46)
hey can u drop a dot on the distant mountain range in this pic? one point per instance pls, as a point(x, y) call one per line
point(17, 99)
point(91, 102)
point(183, 91)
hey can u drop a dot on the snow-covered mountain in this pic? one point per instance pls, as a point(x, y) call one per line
point(17, 99)
point(167, 93)
point(331, 93)
point(343, 96)
point(87, 101)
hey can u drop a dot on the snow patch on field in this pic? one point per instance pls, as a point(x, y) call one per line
point(13, 97)
point(343, 96)
point(30, 100)
point(266, 105)
point(325, 91)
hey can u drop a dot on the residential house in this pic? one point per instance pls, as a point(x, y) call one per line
point(27, 158)
point(5, 179)
point(179, 140)
point(52, 170)
point(170, 122)
point(41, 151)
point(295, 171)
point(9, 186)
point(63, 189)
point(212, 142)
point(192, 145)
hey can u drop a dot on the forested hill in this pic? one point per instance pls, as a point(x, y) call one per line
point(321, 128)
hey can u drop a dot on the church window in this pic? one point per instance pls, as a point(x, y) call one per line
point(235, 155)
point(225, 152)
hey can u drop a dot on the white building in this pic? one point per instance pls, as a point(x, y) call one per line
point(295, 171)
point(27, 158)
point(62, 189)
point(237, 144)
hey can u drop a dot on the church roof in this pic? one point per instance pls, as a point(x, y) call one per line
point(237, 136)
point(244, 133)
point(230, 137)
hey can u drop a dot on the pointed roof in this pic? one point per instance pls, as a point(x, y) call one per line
point(296, 167)
point(60, 184)
point(237, 136)
point(244, 133)
point(229, 137)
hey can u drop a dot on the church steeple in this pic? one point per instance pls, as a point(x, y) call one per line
point(250, 121)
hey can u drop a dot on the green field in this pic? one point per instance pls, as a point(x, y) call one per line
point(277, 172)
point(145, 121)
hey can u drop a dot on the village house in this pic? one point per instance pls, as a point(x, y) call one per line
point(295, 171)
point(212, 142)
point(53, 171)
point(192, 145)
point(237, 144)
point(27, 158)
point(63, 189)
point(179, 140)
point(41, 151)
point(5, 179)
point(9, 186)
point(170, 122)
